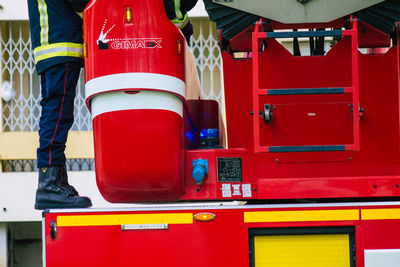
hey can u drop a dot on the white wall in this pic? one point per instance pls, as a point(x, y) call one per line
point(13, 10)
point(199, 10)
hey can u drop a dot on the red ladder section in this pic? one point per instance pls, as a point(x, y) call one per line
point(354, 89)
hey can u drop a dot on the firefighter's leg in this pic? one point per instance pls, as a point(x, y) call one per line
point(58, 92)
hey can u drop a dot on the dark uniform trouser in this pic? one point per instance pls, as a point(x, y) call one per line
point(58, 93)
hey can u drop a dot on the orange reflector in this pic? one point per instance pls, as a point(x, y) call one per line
point(84, 50)
point(204, 217)
point(128, 15)
point(179, 47)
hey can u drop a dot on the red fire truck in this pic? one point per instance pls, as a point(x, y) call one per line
point(310, 173)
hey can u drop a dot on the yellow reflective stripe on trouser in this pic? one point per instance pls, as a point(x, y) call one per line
point(181, 23)
point(58, 50)
point(44, 22)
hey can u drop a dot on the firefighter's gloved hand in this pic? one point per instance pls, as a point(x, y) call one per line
point(187, 31)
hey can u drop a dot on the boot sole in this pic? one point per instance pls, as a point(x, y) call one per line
point(43, 206)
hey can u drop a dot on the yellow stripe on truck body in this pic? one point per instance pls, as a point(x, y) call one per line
point(110, 219)
point(301, 216)
point(380, 214)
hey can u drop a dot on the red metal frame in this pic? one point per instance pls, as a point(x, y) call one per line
point(372, 171)
point(354, 89)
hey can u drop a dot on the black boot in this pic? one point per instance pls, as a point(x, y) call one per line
point(51, 193)
point(65, 184)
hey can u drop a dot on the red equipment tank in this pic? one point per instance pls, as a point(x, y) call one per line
point(135, 88)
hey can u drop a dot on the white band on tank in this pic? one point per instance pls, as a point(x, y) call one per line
point(146, 99)
point(135, 80)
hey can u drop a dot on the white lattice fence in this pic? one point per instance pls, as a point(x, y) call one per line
point(204, 45)
point(22, 112)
